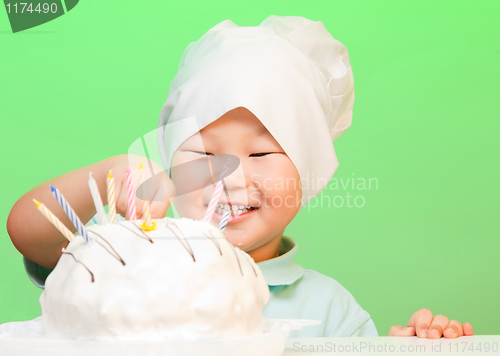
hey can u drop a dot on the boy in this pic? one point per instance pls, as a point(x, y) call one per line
point(276, 96)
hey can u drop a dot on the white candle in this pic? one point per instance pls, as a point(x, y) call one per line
point(94, 190)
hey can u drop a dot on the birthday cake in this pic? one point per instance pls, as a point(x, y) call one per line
point(180, 280)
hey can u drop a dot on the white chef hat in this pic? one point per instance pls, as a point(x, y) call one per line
point(289, 72)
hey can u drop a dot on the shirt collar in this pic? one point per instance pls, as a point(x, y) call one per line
point(282, 270)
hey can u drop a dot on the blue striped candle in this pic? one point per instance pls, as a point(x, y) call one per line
point(224, 219)
point(70, 212)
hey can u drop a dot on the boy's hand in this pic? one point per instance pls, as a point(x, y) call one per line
point(160, 199)
point(431, 327)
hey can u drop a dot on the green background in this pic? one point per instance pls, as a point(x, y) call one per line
point(83, 87)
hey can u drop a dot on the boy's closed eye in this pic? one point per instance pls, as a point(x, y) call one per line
point(203, 153)
point(260, 154)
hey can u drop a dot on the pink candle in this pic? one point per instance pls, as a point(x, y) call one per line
point(130, 195)
point(147, 224)
point(216, 194)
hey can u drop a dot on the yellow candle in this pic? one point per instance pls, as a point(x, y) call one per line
point(54, 220)
point(146, 214)
point(111, 197)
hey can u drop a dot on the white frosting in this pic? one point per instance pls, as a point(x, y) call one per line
point(160, 292)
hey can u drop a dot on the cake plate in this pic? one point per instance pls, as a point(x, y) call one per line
point(27, 338)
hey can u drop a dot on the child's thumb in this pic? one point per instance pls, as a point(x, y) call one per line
point(159, 209)
point(163, 196)
point(162, 192)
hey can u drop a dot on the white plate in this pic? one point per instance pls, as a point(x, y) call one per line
point(27, 338)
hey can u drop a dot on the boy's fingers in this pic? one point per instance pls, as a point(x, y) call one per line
point(121, 201)
point(398, 330)
point(468, 329)
point(161, 187)
point(143, 192)
point(138, 208)
point(158, 204)
point(161, 201)
point(439, 324)
point(167, 187)
point(421, 320)
point(159, 209)
point(453, 330)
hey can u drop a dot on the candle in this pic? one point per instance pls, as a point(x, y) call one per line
point(131, 196)
point(226, 214)
point(146, 213)
point(54, 220)
point(224, 220)
point(111, 197)
point(80, 227)
point(216, 194)
point(94, 190)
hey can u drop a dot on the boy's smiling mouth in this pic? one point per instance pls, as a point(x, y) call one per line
point(236, 209)
point(235, 216)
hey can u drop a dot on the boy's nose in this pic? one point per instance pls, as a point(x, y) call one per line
point(236, 185)
point(236, 180)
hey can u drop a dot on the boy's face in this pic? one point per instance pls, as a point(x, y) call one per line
point(266, 182)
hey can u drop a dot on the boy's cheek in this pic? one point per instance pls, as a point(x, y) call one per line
point(292, 200)
point(282, 199)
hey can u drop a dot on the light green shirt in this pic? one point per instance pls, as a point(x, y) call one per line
point(296, 293)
